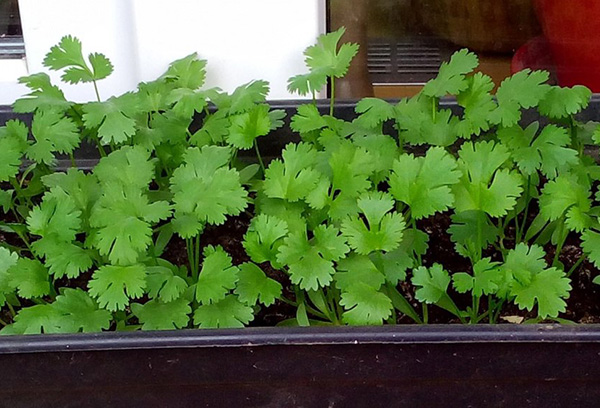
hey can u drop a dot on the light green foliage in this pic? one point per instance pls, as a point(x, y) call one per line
point(43, 96)
point(478, 104)
point(484, 185)
point(591, 246)
point(217, 277)
point(417, 124)
point(264, 237)
point(307, 119)
point(373, 112)
point(451, 76)
point(484, 280)
point(68, 54)
point(30, 278)
point(310, 262)
point(364, 305)
point(229, 312)
point(53, 133)
point(188, 72)
point(546, 152)
point(206, 190)
point(247, 127)
point(531, 282)
point(79, 312)
point(423, 183)
point(561, 102)
point(8, 260)
point(35, 320)
point(255, 287)
point(156, 315)
point(357, 269)
point(472, 231)
point(565, 197)
point(113, 286)
point(113, 118)
point(294, 177)
point(325, 59)
point(382, 230)
point(163, 284)
point(525, 89)
point(432, 283)
point(13, 143)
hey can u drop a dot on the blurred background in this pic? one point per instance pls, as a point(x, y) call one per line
point(403, 42)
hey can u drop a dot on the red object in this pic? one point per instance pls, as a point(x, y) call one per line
point(572, 28)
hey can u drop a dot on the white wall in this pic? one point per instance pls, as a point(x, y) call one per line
point(241, 39)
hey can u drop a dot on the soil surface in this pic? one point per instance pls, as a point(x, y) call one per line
point(583, 305)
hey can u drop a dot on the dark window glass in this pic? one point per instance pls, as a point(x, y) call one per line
point(404, 42)
point(11, 34)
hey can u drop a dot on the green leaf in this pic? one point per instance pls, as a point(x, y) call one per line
point(188, 72)
point(561, 102)
point(382, 231)
point(217, 277)
point(30, 278)
point(310, 263)
point(53, 133)
point(35, 319)
point(254, 286)
point(564, 196)
point(546, 152)
point(365, 305)
point(294, 177)
point(128, 166)
point(525, 89)
point(206, 188)
point(229, 312)
point(123, 220)
point(264, 237)
point(527, 278)
point(68, 54)
point(113, 118)
point(484, 185)
point(57, 215)
point(478, 104)
point(472, 231)
point(432, 283)
point(43, 96)
point(13, 143)
point(451, 77)
point(245, 97)
point(63, 258)
point(114, 286)
point(156, 315)
point(357, 269)
point(8, 260)
point(214, 129)
point(307, 119)
point(79, 312)
point(186, 102)
point(482, 282)
point(423, 183)
point(547, 289)
point(247, 127)
point(324, 59)
point(591, 246)
point(373, 112)
point(163, 284)
point(351, 168)
point(394, 264)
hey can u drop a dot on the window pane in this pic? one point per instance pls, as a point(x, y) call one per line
point(11, 35)
point(403, 42)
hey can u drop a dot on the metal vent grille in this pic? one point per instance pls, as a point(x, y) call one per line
point(12, 47)
point(403, 62)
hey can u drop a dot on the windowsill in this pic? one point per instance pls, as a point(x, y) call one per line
point(10, 72)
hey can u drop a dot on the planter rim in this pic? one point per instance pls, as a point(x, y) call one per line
point(299, 336)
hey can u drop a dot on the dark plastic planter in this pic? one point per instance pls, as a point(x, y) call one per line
point(390, 366)
point(427, 366)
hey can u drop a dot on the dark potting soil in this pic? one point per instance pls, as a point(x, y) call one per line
point(583, 304)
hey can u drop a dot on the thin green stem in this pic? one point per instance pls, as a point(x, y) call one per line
point(562, 237)
point(526, 211)
point(11, 310)
point(197, 255)
point(332, 100)
point(3, 323)
point(259, 157)
point(309, 309)
point(96, 91)
point(576, 265)
point(72, 157)
point(425, 313)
